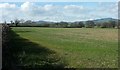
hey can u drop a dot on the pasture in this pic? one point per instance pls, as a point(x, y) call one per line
point(74, 47)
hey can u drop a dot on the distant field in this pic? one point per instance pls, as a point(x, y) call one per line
point(78, 47)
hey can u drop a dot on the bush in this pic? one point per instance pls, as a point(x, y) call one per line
point(89, 24)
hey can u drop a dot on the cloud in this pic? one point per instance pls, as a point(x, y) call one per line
point(52, 12)
point(73, 7)
point(48, 7)
point(103, 10)
point(30, 9)
point(7, 5)
point(26, 6)
point(74, 10)
point(8, 11)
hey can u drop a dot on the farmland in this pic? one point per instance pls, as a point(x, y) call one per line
point(74, 47)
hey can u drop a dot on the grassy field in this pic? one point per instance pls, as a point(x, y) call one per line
point(76, 47)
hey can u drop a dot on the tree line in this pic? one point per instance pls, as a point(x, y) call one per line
point(79, 24)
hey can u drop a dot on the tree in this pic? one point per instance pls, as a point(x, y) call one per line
point(45, 25)
point(104, 25)
point(63, 24)
point(22, 21)
point(73, 25)
point(89, 24)
point(11, 22)
point(109, 24)
point(52, 25)
point(77, 25)
point(56, 25)
point(17, 22)
point(112, 23)
point(28, 22)
point(98, 24)
point(80, 24)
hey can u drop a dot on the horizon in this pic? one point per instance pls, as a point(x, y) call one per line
point(63, 21)
point(58, 11)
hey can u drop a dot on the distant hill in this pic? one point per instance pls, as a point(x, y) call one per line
point(42, 22)
point(95, 21)
point(104, 20)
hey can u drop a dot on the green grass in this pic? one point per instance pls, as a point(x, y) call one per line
point(78, 47)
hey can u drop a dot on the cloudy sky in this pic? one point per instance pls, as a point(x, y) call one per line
point(57, 11)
